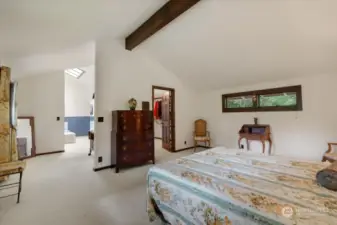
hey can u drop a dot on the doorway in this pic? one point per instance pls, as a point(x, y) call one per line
point(79, 97)
point(163, 104)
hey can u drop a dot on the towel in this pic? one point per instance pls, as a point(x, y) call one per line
point(155, 110)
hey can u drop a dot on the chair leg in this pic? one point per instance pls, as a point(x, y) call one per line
point(91, 147)
point(195, 146)
point(20, 187)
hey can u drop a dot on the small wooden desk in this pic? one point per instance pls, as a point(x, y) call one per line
point(255, 132)
point(329, 154)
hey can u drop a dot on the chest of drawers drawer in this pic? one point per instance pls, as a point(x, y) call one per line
point(136, 146)
point(135, 159)
point(128, 137)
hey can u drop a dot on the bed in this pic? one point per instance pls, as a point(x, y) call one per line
point(69, 137)
point(230, 187)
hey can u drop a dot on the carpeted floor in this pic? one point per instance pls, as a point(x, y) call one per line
point(63, 189)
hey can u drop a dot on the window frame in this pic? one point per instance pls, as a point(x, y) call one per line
point(256, 108)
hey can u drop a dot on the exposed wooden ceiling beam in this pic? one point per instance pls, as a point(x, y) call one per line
point(167, 13)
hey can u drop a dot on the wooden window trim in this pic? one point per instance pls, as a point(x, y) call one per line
point(297, 89)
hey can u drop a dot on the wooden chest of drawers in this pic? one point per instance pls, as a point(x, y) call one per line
point(132, 138)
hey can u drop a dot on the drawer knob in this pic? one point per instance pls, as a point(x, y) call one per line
point(124, 148)
point(124, 138)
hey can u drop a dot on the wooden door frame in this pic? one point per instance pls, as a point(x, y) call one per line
point(32, 124)
point(173, 94)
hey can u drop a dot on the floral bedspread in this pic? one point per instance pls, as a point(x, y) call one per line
point(222, 186)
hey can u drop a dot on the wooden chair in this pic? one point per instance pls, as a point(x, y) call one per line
point(330, 155)
point(201, 134)
point(8, 166)
point(9, 160)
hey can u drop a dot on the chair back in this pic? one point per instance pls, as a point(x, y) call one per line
point(8, 147)
point(200, 128)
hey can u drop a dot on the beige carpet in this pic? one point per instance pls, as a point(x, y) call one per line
point(63, 189)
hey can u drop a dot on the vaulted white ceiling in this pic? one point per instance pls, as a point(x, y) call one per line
point(221, 43)
point(44, 26)
point(215, 44)
point(46, 35)
point(79, 56)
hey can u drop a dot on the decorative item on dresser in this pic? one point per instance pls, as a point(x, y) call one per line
point(132, 103)
point(145, 105)
point(256, 132)
point(132, 138)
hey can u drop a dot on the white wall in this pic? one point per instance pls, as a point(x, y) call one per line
point(300, 134)
point(120, 75)
point(42, 96)
point(78, 93)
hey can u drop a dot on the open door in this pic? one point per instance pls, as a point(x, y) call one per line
point(168, 122)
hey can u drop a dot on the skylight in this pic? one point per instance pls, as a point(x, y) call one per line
point(75, 72)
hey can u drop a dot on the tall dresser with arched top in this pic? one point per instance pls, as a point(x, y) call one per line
point(132, 138)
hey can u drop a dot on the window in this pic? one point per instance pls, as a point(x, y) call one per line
point(281, 99)
point(75, 72)
point(276, 99)
point(240, 102)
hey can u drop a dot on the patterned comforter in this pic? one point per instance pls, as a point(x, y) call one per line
point(222, 186)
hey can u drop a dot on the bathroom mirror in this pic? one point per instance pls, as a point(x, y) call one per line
point(25, 137)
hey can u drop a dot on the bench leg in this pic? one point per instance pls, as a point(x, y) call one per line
point(20, 187)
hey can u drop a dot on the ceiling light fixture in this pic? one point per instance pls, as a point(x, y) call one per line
point(75, 72)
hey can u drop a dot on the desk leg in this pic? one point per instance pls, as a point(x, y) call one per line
point(263, 146)
point(270, 144)
point(247, 141)
point(91, 147)
point(239, 142)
